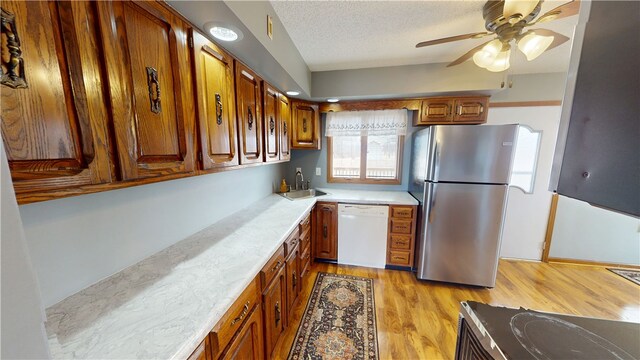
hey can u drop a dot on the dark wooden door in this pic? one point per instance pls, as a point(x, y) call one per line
point(213, 72)
point(54, 120)
point(271, 124)
point(436, 110)
point(150, 89)
point(248, 342)
point(248, 104)
point(306, 126)
point(326, 246)
point(284, 117)
point(293, 279)
point(274, 300)
point(471, 110)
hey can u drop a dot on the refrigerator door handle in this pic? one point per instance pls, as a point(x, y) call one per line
point(431, 203)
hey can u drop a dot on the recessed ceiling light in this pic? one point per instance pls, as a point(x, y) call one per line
point(224, 32)
point(293, 93)
point(333, 100)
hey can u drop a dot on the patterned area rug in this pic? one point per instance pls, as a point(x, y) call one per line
point(633, 275)
point(339, 321)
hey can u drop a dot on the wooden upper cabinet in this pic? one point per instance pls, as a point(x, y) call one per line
point(326, 240)
point(271, 124)
point(448, 110)
point(213, 72)
point(305, 125)
point(471, 110)
point(285, 127)
point(150, 90)
point(53, 114)
point(248, 105)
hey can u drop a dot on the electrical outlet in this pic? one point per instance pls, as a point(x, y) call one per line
point(318, 172)
point(298, 169)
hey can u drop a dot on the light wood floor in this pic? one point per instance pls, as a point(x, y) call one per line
point(419, 319)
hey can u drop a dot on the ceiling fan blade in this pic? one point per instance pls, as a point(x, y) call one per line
point(565, 10)
point(558, 39)
point(522, 7)
point(453, 38)
point(468, 55)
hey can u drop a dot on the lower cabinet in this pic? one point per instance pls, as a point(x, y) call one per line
point(401, 236)
point(248, 342)
point(293, 279)
point(275, 309)
point(326, 240)
point(203, 352)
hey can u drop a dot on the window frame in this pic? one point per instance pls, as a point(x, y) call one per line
point(363, 165)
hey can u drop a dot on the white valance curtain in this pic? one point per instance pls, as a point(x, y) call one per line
point(367, 123)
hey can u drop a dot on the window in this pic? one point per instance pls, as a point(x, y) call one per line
point(365, 146)
point(525, 159)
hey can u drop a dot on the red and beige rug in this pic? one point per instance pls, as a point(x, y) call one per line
point(339, 321)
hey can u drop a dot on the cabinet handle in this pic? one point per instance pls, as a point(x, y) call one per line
point(250, 117)
point(294, 281)
point(481, 108)
point(272, 125)
point(245, 310)
point(324, 230)
point(218, 109)
point(154, 90)
point(277, 309)
point(304, 124)
point(11, 78)
point(284, 127)
point(276, 266)
point(459, 110)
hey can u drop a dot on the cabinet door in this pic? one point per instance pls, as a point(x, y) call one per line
point(54, 119)
point(274, 300)
point(248, 342)
point(248, 112)
point(436, 111)
point(271, 124)
point(213, 72)
point(306, 126)
point(284, 118)
point(150, 89)
point(293, 279)
point(471, 110)
point(202, 351)
point(326, 246)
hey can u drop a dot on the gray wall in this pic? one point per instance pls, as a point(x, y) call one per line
point(533, 87)
point(308, 160)
point(77, 241)
point(23, 335)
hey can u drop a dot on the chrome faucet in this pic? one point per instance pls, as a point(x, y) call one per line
point(301, 179)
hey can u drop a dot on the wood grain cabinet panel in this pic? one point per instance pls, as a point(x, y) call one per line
point(271, 122)
point(292, 279)
point(326, 240)
point(202, 352)
point(436, 110)
point(248, 343)
point(284, 117)
point(453, 110)
point(471, 110)
point(150, 89)
point(305, 125)
point(249, 114)
point(216, 106)
point(401, 237)
point(54, 125)
point(274, 300)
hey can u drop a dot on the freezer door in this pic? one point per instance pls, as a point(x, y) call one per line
point(461, 233)
point(473, 154)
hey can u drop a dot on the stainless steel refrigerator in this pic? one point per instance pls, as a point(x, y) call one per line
point(460, 175)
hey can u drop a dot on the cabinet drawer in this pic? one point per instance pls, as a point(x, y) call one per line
point(291, 242)
point(402, 212)
point(401, 258)
point(401, 226)
point(271, 268)
point(233, 318)
point(201, 353)
point(305, 239)
point(400, 242)
point(305, 224)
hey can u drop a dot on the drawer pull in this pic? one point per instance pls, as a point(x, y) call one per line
point(245, 310)
point(276, 266)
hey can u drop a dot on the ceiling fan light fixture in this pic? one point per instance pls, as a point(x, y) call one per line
point(487, 55)
point(533, 45)
point(501, 62)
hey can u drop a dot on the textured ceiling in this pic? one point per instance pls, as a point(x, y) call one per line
point(334, 35)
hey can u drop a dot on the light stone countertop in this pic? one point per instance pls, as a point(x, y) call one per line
point(163, 306)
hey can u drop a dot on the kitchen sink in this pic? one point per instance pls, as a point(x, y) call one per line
point(302, 194)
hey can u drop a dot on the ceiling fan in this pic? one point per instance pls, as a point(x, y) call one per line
point(509, 20)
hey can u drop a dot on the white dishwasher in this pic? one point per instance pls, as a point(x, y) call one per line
point(362, 235)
